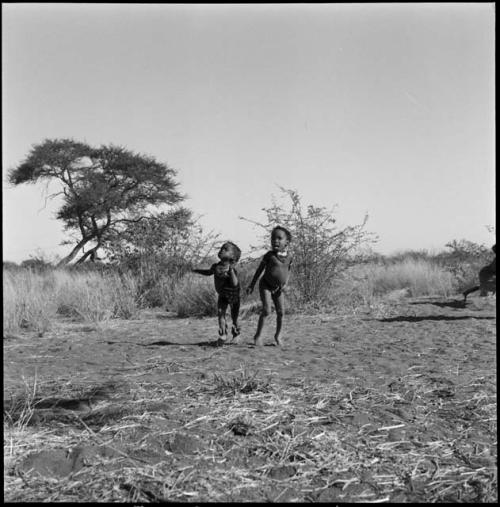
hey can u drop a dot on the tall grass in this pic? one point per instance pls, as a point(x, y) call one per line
point(94, 297)
point(32, 300)
point(419, 276)
point(28, 301)
point(194, 294)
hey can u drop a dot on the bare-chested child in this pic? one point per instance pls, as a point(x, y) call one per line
point(227, 287)
point(276, 267)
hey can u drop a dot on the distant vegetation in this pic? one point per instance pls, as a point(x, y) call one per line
point(148, 259)
point(35, 293)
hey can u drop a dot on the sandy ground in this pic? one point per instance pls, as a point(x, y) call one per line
point(430, 349)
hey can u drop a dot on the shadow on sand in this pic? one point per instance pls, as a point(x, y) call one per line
point(442, 304)
point(432, 317)
point(212, 343)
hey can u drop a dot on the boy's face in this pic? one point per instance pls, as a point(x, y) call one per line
point(279, 241)
point(226, 252)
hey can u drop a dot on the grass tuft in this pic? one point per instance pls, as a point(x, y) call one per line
point(244, 383)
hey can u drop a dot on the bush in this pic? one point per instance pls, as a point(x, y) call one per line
point(320, 248)
point(159, 251)
point(463, 260)
point(10, 266)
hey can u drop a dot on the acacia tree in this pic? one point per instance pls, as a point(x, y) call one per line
point(320, 248)
point(103, 189)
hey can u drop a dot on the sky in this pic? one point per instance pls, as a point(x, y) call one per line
point(379, 109)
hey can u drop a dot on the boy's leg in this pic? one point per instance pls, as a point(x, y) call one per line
point(235, 311)
point(279, 305)
point(221, 314)
point(265, 298)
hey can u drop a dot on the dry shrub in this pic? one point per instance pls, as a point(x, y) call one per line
point(464, 259)
point(321, 249)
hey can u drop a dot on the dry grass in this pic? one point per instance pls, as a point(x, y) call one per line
point(420, 277)
point(256, 439)
point(27, 301)
point(32, 300)
point(93, 297)
point(195, 296)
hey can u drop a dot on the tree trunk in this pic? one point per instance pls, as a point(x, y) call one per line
point(66, 260)
point(92, 253)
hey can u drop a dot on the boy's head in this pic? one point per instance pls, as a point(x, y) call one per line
point(280, 238)
point(229, 252)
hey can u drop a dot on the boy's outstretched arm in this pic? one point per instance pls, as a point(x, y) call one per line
point(205, 272)
point(258, 272)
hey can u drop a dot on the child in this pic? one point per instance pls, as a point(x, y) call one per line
point(227, 287)
point(276, 267)
point(487, 277)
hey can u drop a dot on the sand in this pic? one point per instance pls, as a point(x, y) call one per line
point(422, 368)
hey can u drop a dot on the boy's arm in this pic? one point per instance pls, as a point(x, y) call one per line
point(233, 275)
point(258, 272)
point(289, 269)
point(206, 272)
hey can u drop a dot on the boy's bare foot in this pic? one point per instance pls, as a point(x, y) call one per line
point(279, 340)
point(221, 341)
point(235, 330)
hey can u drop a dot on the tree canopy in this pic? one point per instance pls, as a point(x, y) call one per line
point(103, 188)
